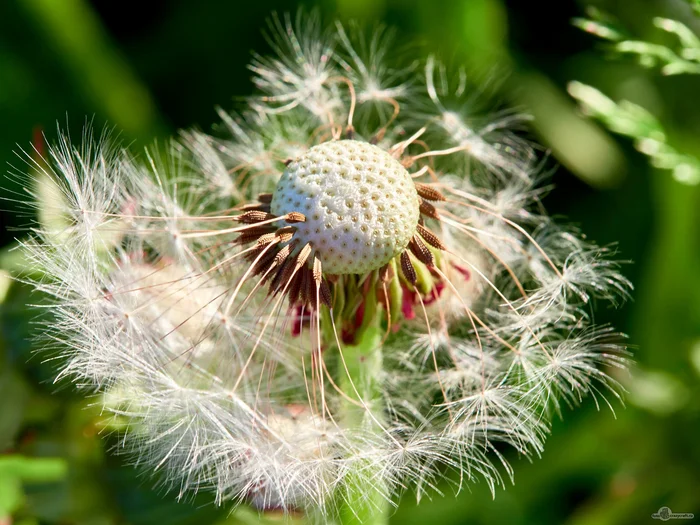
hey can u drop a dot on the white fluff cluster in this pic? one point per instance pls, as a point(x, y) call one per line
point(159, 303)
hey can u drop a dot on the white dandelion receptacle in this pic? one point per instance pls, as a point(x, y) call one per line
point(360, 204)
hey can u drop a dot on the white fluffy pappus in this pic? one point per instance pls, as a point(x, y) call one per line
point(203, 316)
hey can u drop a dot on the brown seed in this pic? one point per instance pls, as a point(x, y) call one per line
point(256, 207)
point(303, 255)
point(428, 210)
point(428, 192)
point(409, 272)
point(282, 276)
point(267, 262)
point(318, 269)
point(421, 251)
point(254, 234)
point(325, 293)
point(430, 238)
point(310, 289)
point(285, 233)
point(251, 217)
point(304, 287)
point(282, 255)
point(257, 250)
point(265, 198)
point(266, 239)
point(295, 287)
point(290, 270)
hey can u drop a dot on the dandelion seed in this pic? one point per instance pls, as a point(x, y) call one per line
point(330, 305)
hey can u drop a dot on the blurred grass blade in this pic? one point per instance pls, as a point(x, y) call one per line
point(100, 71)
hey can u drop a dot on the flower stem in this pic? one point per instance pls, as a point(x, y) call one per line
point(364, 500)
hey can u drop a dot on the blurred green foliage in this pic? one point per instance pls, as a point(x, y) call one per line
point(630, 119)
point(146, 68)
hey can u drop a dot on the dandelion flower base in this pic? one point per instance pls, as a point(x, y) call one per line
point(360, 204)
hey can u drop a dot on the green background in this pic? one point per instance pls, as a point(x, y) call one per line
point(148, 68)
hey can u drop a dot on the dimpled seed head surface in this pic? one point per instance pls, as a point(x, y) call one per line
point(360, 203)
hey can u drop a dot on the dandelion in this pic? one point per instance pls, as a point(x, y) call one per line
point(354, 293)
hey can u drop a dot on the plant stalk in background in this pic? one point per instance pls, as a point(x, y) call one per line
point(629, 119)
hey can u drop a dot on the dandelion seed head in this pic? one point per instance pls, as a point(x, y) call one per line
point(354, 285)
